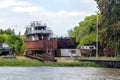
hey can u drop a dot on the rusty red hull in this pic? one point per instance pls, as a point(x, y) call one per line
point(41, 44)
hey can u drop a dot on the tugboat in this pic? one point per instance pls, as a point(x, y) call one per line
point(39, 42)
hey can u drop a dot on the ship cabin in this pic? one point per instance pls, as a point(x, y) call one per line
point(38, 31)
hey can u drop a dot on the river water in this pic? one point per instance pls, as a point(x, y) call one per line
point(58, 73)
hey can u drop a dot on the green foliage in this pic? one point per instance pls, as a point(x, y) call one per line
point(19, 61)
point(23, 46)
point(71, 64)
point(85, 31)
point(7, 31)
point(16, 41)
point(110, 22)
point(4, 35)
point(3, 38)
point(88, 39)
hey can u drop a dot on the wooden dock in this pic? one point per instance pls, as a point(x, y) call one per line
point(35, 57)
point(104, 62)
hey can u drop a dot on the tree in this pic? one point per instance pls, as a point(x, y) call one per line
point(7, 31)
point(110, 22)
point(15, 42)
point(3, 38)
point(85, 31)
point(88, 39)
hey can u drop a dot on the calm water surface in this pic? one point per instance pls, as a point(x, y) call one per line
point(58, 73)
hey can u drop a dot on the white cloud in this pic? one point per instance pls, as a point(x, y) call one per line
point(9, 3)
point(60, 21)
point(56, 18)
point(30, 9)
point(39, 11)
point(72, 13)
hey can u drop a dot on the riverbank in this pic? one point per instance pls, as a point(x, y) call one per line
point(22, 61)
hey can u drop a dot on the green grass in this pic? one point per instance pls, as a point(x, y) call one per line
point(71, 64)
point(23, 61)
point(19, 61)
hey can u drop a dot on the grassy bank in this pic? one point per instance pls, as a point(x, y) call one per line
point(19, 61)
point(23, 61)
point(70, 64)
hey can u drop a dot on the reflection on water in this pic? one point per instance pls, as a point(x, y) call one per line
point(58, 73)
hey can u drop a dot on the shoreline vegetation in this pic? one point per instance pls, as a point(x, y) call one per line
point(22, 61)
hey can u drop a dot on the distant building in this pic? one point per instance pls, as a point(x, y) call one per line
point(68, 53)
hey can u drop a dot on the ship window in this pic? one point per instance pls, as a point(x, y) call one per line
point(49, 51)
point(39, 28)
point(43, 28)
point(35, 28)
point(91, 47)
point(73, 51)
